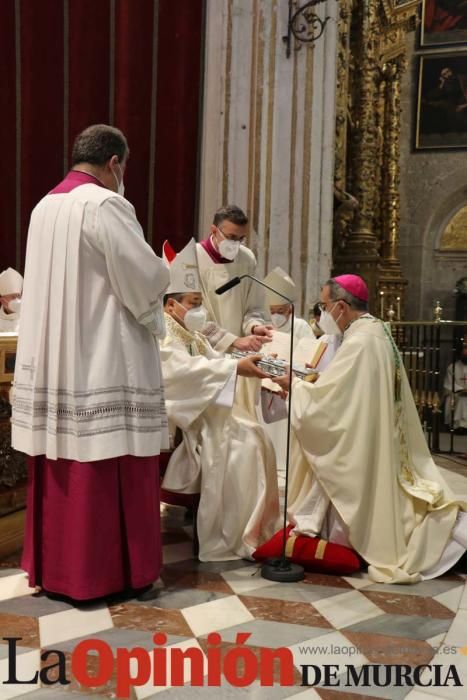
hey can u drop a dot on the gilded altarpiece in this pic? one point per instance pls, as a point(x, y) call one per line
point(371, 62)
point(12, 463)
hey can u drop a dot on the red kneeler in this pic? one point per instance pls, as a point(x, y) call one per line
point(313, 553)
point(172, 498)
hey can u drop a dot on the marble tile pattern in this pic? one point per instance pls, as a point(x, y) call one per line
point(322, 620)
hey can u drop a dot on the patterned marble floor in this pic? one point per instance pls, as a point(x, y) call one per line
point(323, 620)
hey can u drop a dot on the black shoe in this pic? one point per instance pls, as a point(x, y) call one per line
point(189, 516)
point(147, 593)
point(460, 567)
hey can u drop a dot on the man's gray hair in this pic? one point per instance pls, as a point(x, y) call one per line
point(338, 293)
point(97, 144)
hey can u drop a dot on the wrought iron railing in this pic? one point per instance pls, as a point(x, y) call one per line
point(427, 349)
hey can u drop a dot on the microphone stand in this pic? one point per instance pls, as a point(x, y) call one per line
point(281, 570)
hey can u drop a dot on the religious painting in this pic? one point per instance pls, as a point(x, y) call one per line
point(444, 23)
point(454, 236)
point(397, 8)
point(399, 5)
point(442, 101)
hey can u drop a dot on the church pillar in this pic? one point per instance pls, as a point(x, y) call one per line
point(366, 213)
point(361, 252)
point(268, 134)
point(391, 285)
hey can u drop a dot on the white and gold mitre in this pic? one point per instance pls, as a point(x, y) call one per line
point(280, 280)
point(11, 282)
point(183, 266)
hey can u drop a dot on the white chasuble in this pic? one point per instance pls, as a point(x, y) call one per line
point(88, 383)
point(238, 309)
point(224, 454)
point(301, 329)
point(368, 454)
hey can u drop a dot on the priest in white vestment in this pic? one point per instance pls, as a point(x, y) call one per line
point(88, 404)
point(305, 344)
point(314, 318)
point(280, 309)
point(224, 453)
point(455, 390)
point(11, 286)
point(237, 318)
point(362, 474)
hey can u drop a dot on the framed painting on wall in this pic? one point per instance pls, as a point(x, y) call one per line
point(400, 5)
point(441, 121)
point(444, 23)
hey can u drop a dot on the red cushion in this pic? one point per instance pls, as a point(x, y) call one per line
point(313, 553)
point(273, 547)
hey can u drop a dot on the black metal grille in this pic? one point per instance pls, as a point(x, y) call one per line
point(427, 349)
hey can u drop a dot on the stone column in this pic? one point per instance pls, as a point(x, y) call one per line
point(365, 139)
point(268, 135)
point(391, 283)
point(361, 252)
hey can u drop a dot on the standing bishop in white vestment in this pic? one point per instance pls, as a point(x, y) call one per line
point(280, 309)
point(305, 342)
point(362, 474)
point(224, 453)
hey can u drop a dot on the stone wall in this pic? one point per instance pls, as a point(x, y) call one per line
point(268, 135)
point(433, 188)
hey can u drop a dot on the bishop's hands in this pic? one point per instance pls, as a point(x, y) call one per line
point(246, 367)
point(264, 332)
point(284, 382)
point(261, 334)
point(250, 343)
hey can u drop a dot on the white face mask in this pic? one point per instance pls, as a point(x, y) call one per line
point(229, 249)
point(14, 306)
point(280, 321)
point(120, 185)
point(328, 324)
point(194, 319)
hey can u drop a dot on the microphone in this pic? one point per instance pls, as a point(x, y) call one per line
point(228, 285)
point(281, 570)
